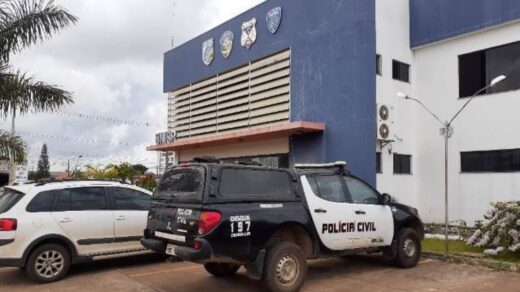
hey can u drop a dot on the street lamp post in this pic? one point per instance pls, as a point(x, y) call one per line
point(76, 166)
point(447, 131)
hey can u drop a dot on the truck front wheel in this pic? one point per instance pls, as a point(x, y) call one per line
point(285, 267)
point(221, 269)
point(408, 250)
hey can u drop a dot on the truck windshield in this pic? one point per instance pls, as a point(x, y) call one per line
point(8, 198)
point(183, 185)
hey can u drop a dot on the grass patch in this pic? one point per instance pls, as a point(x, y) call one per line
point(457, 246)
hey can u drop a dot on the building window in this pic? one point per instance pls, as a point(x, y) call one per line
point(379, 169)
point(400, 71)
point(477, 69)
point(379, 65)
point(490, 161)
point(402, 164)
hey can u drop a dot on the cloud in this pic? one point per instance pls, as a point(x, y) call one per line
point(112, 61)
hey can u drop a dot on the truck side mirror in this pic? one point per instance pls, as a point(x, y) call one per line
point(386, 199)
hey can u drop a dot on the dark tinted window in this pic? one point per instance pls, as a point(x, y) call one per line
point(128, 199)
point(378, 163)
point(239, 182)
point(402, 164)
point(379, 65)
point(182, 185)
point(82, 199)
point(8, 198)
point(490, 161)
point(477, 69)
point(328, 187)
point(42, 202)
point(400, 71)
point(63, 201)
point(360, 192)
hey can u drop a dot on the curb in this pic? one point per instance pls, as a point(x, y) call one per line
point(468, 260)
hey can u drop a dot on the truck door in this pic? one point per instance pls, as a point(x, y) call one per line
point(334, 217)
point(374, 221)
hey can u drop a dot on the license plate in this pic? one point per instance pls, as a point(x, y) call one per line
point(170, 249)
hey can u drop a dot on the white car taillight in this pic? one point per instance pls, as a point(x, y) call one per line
point(8, 224)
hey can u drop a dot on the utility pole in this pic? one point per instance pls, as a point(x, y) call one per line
point(12, 165)
point(447, 132)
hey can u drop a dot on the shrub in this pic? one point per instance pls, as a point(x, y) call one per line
point(147, 181)
point(500, 231)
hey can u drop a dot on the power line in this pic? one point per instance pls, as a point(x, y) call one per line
point(81, 139)
point(110, 120)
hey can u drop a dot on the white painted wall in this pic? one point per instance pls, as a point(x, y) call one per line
point(489, 123)
point(393, 42)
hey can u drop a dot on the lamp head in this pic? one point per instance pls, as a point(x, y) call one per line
point(402, 95)
point(497, 80)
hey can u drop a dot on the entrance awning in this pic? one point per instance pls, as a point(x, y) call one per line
point(284, 129)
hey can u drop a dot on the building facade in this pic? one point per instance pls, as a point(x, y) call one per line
point(318, 82)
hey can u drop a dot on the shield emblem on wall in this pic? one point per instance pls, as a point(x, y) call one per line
point(248, 33)
point(226, 43)
point(208, 51)
point(273, 19)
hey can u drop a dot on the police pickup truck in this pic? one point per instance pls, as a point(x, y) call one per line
point(271, 221)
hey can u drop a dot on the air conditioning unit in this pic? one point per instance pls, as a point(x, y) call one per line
point(385, 122)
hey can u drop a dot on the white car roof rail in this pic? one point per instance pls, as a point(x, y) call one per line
point(342, 164)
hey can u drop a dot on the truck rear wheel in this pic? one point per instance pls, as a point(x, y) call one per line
point(285, 267)
point(408, 251)
point(221, 269)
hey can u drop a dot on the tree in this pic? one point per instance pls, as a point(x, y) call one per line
point(11, 146)
point(43, 164)
point(24, 23)
point(27, 22)
point(140, 169)
point(125, 172)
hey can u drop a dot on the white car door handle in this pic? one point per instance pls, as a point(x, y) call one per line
point(65, 220)
point(360, 212)
point(121, 217)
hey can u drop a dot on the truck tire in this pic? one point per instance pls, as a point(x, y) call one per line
point(285, 267)
point(48, 263)
point(221, 270)
point(408, 249)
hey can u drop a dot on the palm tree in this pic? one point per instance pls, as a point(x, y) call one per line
point(24, 23)
point(11, 147)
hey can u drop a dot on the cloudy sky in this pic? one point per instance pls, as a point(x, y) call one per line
point(112, 61)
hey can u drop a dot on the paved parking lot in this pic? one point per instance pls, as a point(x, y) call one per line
point(151, 273)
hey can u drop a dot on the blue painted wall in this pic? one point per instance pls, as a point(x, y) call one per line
point(435, 20)
point(332, 74)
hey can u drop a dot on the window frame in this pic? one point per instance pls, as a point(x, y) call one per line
point(400, 63)
point(495, 162)
point(216, 193)
point(379, 65)
point(483, 52)
point(19, 196)
point(378, 194)
point(394, 164)
point(108, 201)
point(379, 162)
point(54, 198)
point(113, 203)
point(346, 193)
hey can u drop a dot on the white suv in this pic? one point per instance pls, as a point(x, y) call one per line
point(46, 227)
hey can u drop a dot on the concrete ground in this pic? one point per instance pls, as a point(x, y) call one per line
point(151, 273)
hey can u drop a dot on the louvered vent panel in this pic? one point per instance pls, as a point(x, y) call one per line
point(249, 96)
